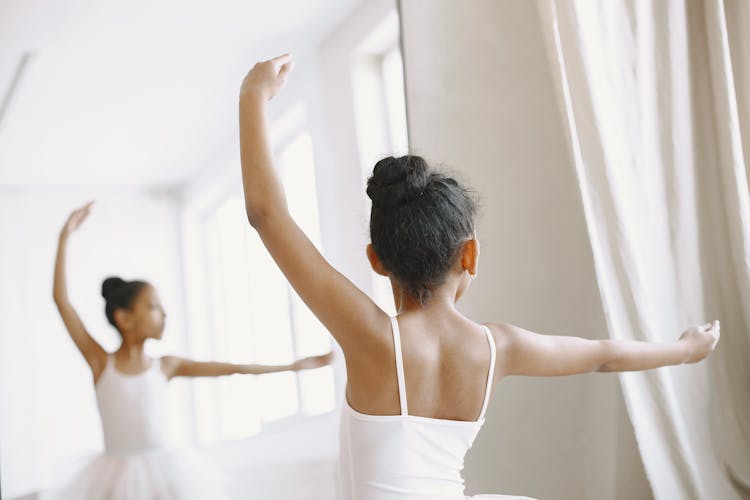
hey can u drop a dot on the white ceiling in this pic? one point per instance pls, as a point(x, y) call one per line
point(135, 93)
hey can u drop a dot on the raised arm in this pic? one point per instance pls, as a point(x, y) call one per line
point(174, 366)
point(522, 352)
point(345, 310)
point(92, 352)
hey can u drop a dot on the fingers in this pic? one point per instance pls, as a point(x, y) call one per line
point(279, 61)
point(324, 359)
point(77, 217)
point(716, 333)
point(285, 70)
point(712, 328)
point(282, 65)
point(84, 209)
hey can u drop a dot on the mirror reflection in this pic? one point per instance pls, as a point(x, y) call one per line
point(173, 359)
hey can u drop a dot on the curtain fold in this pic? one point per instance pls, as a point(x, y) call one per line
point(655, 99)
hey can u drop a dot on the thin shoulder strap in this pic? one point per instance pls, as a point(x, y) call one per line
point(491, 373)
point(399, 366)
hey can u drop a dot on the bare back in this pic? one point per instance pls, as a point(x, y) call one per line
point(446, 361)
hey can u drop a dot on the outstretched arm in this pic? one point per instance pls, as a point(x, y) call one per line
point(92, 352)
point(527, 353)
point(174, 366)
point(347, 312)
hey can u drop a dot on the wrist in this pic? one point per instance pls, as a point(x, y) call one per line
point(683, 351)
point(252, 97)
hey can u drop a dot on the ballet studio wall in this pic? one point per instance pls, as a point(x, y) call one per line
point(481, 99)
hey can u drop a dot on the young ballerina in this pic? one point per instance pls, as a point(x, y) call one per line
point(418, 383)
point(131, 393)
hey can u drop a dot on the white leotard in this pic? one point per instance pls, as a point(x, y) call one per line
point(132, 408)
point(398, 457)
point(138, 462)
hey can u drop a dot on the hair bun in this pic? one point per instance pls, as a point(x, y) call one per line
point(396, 181)
point(110, 286)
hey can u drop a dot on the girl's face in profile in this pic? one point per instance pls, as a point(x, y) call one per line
point(147, 314)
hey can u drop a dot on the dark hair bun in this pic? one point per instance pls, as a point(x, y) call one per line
point(396, 181)
point(110, 286)
point(419, 221)
point(119, 294)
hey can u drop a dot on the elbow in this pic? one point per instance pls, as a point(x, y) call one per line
point(256, 216)
point(261, 207)
point(262, 217)
point(252, 219)
point(607, 358)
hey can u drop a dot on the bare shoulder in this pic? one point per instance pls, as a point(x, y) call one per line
point(369, 361)
point(374, 340)
point(501, 332)
point(170, 364)
point(507, 337)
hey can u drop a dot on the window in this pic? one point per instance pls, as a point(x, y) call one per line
point(380, 109)
point(254, 314)
point(316, 388)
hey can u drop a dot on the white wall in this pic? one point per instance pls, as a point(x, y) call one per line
point(480, 98)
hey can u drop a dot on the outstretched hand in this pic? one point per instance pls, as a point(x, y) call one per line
point(701, 340)
point(267, 78)
point(313, 362)
point(76, 218)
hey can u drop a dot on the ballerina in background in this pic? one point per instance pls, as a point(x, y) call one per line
point(419, 382)
point(131, 394)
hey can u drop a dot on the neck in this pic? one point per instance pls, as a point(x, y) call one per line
point(131, 349)
point(442, 299)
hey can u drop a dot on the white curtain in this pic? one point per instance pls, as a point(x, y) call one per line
point(656, 98)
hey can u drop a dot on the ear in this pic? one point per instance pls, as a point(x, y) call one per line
point(377, 266)
point(122, 319)
point(470, 256)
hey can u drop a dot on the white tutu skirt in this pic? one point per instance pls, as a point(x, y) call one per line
point(162, 474)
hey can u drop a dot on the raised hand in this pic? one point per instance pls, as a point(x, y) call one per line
point(76, 218)
point(267, 78)
point(313, 362)
point(700, 340)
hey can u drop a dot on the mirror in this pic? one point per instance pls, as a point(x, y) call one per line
point(135, 107)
